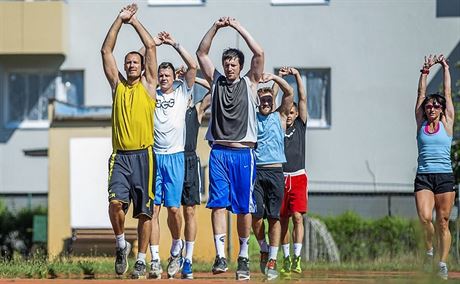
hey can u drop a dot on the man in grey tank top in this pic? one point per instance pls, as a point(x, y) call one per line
point(233, 133)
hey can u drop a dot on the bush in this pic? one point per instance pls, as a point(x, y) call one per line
point(359, 239)
point(16, 230)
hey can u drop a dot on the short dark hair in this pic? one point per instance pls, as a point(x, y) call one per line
point(166, 65)
point(138, 53)
point(231, 53)
point(264, 90)
point(437, 97)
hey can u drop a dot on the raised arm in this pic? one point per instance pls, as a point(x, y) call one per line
point(203, 105)
point(150, 77)
point(190, 74)
point(302, 105)
point(281, 73)
point(450, 109)
point(108, 60)
point(203, 83)
point(288, 93)
point(421, 92)
point(202, 53)
point(257, 61)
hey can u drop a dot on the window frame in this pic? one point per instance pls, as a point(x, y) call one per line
point(176, 2)
point(30, 124)
point(325, 121)
point(299, 2)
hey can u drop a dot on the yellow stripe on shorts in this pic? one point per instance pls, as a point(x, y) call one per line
point(151, 165)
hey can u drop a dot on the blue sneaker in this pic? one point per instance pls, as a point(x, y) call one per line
point(187, 272)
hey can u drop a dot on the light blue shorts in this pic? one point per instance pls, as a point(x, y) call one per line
point(169, 179)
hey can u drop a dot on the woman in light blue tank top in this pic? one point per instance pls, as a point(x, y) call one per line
point(434, 182)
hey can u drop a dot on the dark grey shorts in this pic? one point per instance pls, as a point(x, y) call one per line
point(437, 183)
point(192, 180)
point(132, 178)
point(268, 192)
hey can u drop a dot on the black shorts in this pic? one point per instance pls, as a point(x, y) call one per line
point(268, 192)
point(437, 183)
point(192, 180)
point(132, 178)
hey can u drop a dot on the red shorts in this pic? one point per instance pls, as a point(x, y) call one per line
point(295, 193)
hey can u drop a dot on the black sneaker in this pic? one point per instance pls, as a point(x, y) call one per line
point(263, 261)
point(220, 265)
point(242, 272)
point(139, 270)
point(121, 260)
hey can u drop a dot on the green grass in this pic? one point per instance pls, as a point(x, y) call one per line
point(102, 267)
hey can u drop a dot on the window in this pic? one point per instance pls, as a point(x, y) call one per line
point(318, 84)
point(300, 2)
point(176, 2)
point(26, 102)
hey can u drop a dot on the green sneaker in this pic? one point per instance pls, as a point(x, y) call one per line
point(286, 269)
point(296, 265)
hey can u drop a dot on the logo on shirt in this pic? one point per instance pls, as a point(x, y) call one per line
point(289, 135)
point(165, 104)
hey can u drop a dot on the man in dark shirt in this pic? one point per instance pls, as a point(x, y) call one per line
point(295, 192)
point(233, 134)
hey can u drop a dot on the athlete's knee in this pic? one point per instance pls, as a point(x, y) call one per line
point(115, 206)
point(425, 220)
point(443, 223)
point(297, 219)
point(189, 211)
point(173, 210)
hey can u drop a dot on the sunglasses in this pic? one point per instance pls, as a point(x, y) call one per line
point(435, 106)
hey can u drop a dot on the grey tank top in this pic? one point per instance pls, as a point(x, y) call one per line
point(233, 111)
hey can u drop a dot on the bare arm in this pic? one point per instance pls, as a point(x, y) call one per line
point(202, 106)
point(202, 53)
point(150, 78)
point(108, 60)
point(203, 83)
point(421, 92)
point(257, 61)
point(190, 74)
point(281, 73)
point(302, 105)
point(288, 93)
point(450, 109)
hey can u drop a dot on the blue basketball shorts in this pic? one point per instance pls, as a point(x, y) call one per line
point(232, 174)
point(169, 179)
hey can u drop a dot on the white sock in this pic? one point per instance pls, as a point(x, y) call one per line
point(442, 264)
point(273, 252)
point(189, 250)
point(430, 252)
point(286, 248)
point(176, 246)
point(263, 245)
point(244, 247)
point(219, 242)
point(121, 242)
point(297, 249)
point(155, 251)
point(141, 256)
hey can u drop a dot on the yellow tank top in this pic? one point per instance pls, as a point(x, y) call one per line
point(132, 117)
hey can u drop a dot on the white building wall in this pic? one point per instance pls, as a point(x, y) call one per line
point(373, 48)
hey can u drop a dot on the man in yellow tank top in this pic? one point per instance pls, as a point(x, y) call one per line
point(131, 165)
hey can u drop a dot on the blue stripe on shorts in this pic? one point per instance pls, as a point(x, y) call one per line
point(232, 175)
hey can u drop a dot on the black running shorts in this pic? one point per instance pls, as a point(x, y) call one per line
point(437, 183)
point(192, 180)
point(268, 192)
